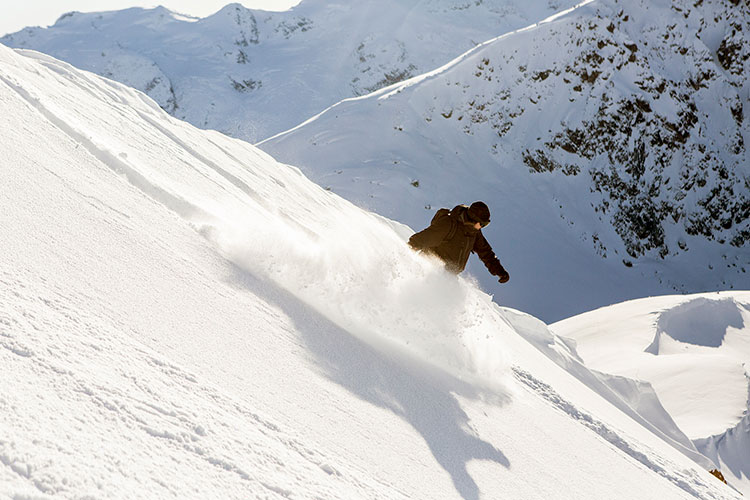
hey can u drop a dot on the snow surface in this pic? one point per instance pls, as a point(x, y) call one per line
point(251, 73)
point(183, 317)
point(694, 351)
point(465, 131)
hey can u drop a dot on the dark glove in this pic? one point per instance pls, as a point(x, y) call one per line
point(503, 276)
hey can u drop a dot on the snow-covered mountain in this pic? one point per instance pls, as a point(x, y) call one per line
point(694, 351)
point(610, 143)
point(183, 317)
point(252, 74)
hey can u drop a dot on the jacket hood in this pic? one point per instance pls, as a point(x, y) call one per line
point(459, 213)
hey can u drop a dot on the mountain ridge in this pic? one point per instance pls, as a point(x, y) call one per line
point(636, 148)
point(251, 74)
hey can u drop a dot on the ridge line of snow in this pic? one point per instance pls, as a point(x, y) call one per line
point(546, 392)
point(522, 323)
point(395, 88)
point(391, 90)
point(172, 201)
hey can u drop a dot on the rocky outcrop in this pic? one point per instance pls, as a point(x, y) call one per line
point(656, 123)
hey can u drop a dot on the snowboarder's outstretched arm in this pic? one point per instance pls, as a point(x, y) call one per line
point(432, 236)
point(484, 251)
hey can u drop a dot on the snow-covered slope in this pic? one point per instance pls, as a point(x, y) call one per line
point(694, 350)
point(252, 74)
point(609, 142)
point(183, 317)
point(730, 450)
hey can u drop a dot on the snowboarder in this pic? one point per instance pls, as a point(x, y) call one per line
point(454, 234)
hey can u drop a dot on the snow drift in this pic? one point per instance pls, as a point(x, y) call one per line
point(693, 351)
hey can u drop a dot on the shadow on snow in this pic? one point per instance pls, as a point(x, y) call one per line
point(423, 398)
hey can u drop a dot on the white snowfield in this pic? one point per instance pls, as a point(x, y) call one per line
point(183, 317)
point(694, 351)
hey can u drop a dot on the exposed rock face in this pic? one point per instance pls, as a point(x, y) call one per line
point(657, 123)
point(717, 473)
point(658, 159)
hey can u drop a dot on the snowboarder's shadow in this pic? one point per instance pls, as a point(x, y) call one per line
point(429, 406)
point(422, 398)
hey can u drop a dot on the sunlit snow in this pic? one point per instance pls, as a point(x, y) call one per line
point(183, 317)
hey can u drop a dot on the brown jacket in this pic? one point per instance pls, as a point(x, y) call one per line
point(454, 249)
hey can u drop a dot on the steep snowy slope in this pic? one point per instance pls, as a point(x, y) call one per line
point(610, 142)
point(183, 317)
point(252, 74)
point(694, 351)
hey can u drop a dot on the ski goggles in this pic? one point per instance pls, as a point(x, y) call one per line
point(482, 223)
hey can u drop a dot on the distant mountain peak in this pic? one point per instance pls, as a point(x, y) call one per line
point(265, 72)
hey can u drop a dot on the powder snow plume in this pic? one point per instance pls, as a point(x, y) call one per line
point(356, 269)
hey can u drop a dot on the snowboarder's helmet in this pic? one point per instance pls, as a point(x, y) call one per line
point(479, 212)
